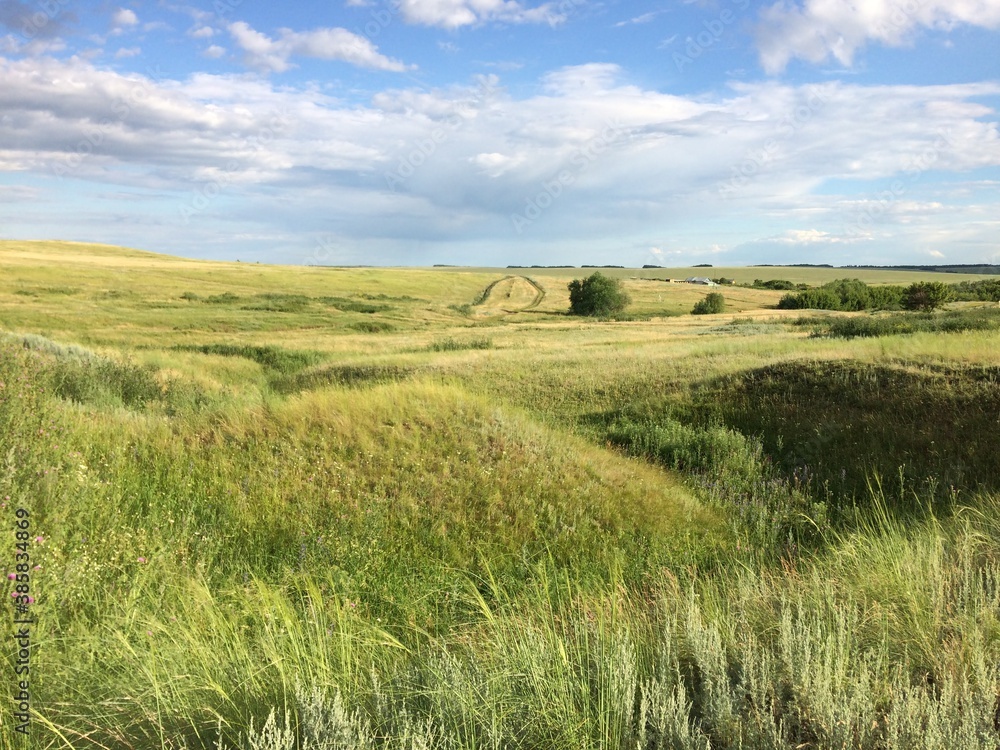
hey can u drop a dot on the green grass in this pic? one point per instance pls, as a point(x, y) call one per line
point(278, 520)
point(952, 321)
point(456, 345)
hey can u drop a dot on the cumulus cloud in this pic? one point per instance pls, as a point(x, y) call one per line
point(458, 162)
point(124, 17)
point(453, 14)
point(817, 30)
point(273, 55)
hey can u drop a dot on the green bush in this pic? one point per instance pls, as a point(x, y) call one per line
point(348, 305)
point(712, 303)
point(288, 303)
point(222, 299)
point(987, 290)
point(454, 345)
point(845, 294)
point(597, 295)
point(903, 323)
point(283, 361)
point(926, 295)
point(372, 326)
point(781, 285)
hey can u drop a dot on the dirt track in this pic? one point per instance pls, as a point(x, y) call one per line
point(511, 294)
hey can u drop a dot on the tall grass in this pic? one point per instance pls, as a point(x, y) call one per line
point(601, 535)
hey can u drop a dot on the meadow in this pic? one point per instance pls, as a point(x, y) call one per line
point(282, 508)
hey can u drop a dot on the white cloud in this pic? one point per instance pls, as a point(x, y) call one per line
point(202, 32)
point(11, 44)
point(126, 52)
point(453, 14)
point(819, 29)
point(807, 237)
point(494, 164)
point(631, 165)
point(644, 18)
point(214, 52)
point(124, 17)
point(273, 55)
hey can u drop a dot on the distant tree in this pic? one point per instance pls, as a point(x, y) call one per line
point(597, 295)
point(712, 303)
point(781, 285)
point(926, 295)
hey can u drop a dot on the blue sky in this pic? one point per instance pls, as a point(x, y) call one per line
point(496, 132)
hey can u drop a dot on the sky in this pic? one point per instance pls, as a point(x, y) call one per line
point(506, 132)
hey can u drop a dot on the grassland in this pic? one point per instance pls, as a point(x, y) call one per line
point(281, 507)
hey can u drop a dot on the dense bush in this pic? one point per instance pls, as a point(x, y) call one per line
point(710, 305)
point(845, 294)
point(903, 323)
point(812, 299)
point(780, 285)
point(454, 345)
point(926, 295)
point(597, 295)
point(987, 290)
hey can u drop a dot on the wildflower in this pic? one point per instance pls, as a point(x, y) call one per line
point(39, 539)
point(142, 560)
point(12, 576)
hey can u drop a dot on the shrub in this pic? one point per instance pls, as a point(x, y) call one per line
point(780, 285)
point(453, 345)
point(926, 295)
point(597, 295)
point(372, 326)
point(712, 303)
point(844, 294)
point(287, 303)
point(349, 305)
point(987, 290)
point(904, 323)
point(222, 299)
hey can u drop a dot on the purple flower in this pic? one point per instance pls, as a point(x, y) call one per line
point(141, 559)
point(11, 576)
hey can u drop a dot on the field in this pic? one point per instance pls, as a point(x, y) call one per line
point(281, 507)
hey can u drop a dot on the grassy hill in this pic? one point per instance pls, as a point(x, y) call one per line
point(277, 507)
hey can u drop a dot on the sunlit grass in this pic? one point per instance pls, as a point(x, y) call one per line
point(262, 526)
